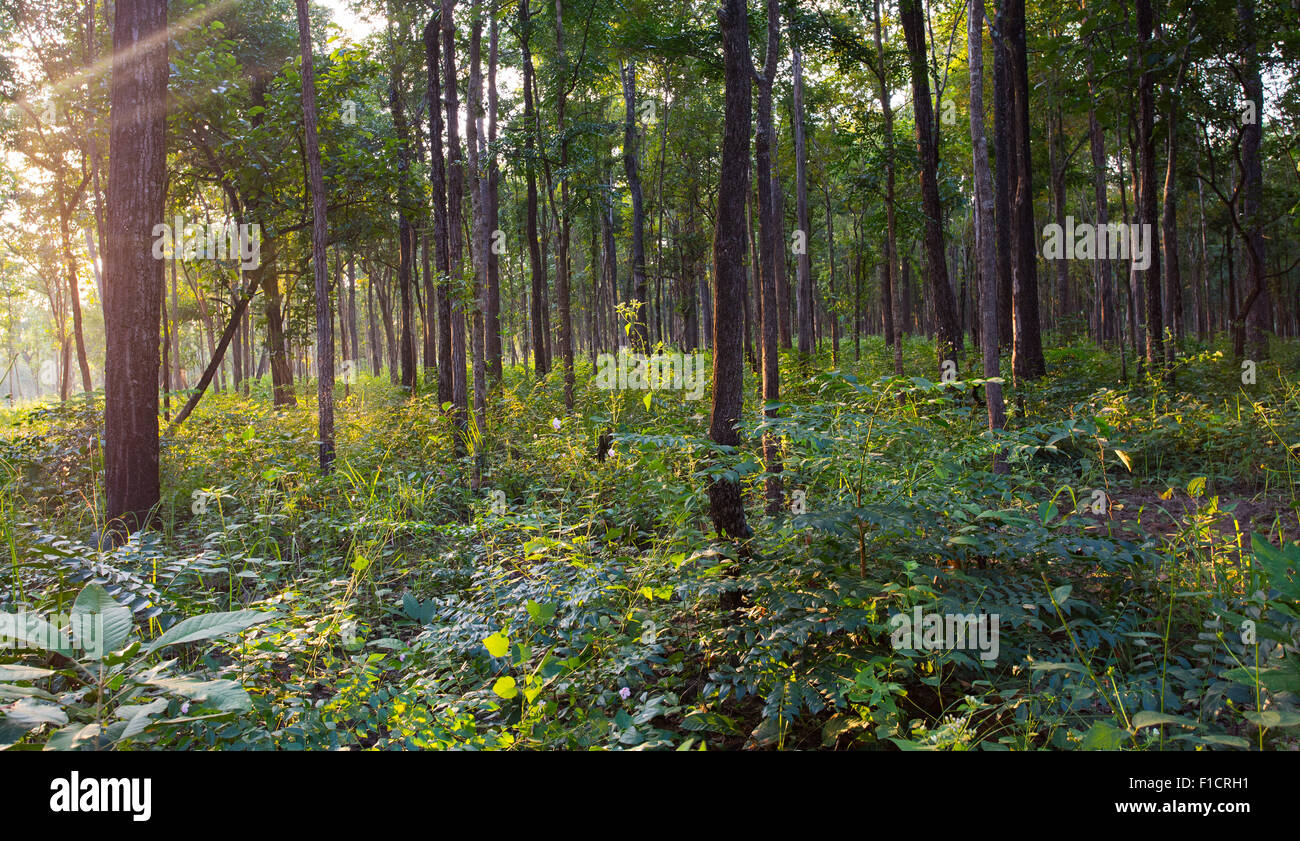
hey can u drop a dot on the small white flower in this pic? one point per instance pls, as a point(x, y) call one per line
point(185, 707)
point(625, 693)
point(612, 453)
point(555, 424)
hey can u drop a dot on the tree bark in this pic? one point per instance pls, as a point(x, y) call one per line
point(948, 331)
point(133, 278)
point(1027, 346)
point(316, 180)
point(1147, 200)
point(537, 272)
point(769, 253)
point(726, 506)
point(803, 261)
point(984, 235)
point(455, 195)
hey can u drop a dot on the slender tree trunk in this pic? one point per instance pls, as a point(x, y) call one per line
point(438, 182)
point(1147, 215)
point(770, 247)
point(631, 148)
point(316, 180)
point(455, 195)
point(565, 222)
point(1027, 351)
point(948, 331)
point(1105, 278)
point(541, 361)
point(480, 207)
point(726, 506)
point(237, 314)
point(1255, 310)
point(1005, 175)
point(888, 288)
point(803, 264)
point(984, 231)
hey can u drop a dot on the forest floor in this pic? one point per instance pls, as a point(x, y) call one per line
point(1128, 566)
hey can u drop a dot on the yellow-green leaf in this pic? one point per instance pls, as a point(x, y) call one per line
point(505, 687)
point(497, 645)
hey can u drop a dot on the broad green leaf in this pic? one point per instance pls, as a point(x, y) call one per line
point(1060, 594)
point(1274, 718)
point(223, 694)
point(10, 692)
point(497, 644)
point(541, 613)
point(1274, 680)
point(30, 631)
point(1226, 741)
point(1150, 718)
point(109, 622)
point(138, 717)
point(68, 738)
point(30, 713)
point(505, 687)
point(13, 671)
point(1103, 736)
point(210, 625)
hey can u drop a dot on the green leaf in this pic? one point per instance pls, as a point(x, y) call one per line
point(646, 400)
point(137, 717)
point(226, 695)
point(1274, 680)
point(542, 614)
point(30, 713)
point(1276, 563)
point(1226, 741)
point(110, 622)
point(210, 625)
point(29, 631)
point(1103, 736)
point(1274, 718)
point(497, 644)
point(9, 671)
point(68, 738)
point(1060, 594)
point(1150, 718)
point(1196, 487)
point(1123, 456)
point(505, 687)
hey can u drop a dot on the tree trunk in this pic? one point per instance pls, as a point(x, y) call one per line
point(769, 253)
point(324, 321)
point(562, 301)
point(479, 207)
point(640, 328)
point(1255, 309)
point(541, 362)
point(455, 195)
point(948, 331)
point(726, 506)
point(984, 236)
point(493, 208)
point(1027, 350)
point(1004, 178)
point(803, 264)
point(1147, 214)
point(888, 288)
